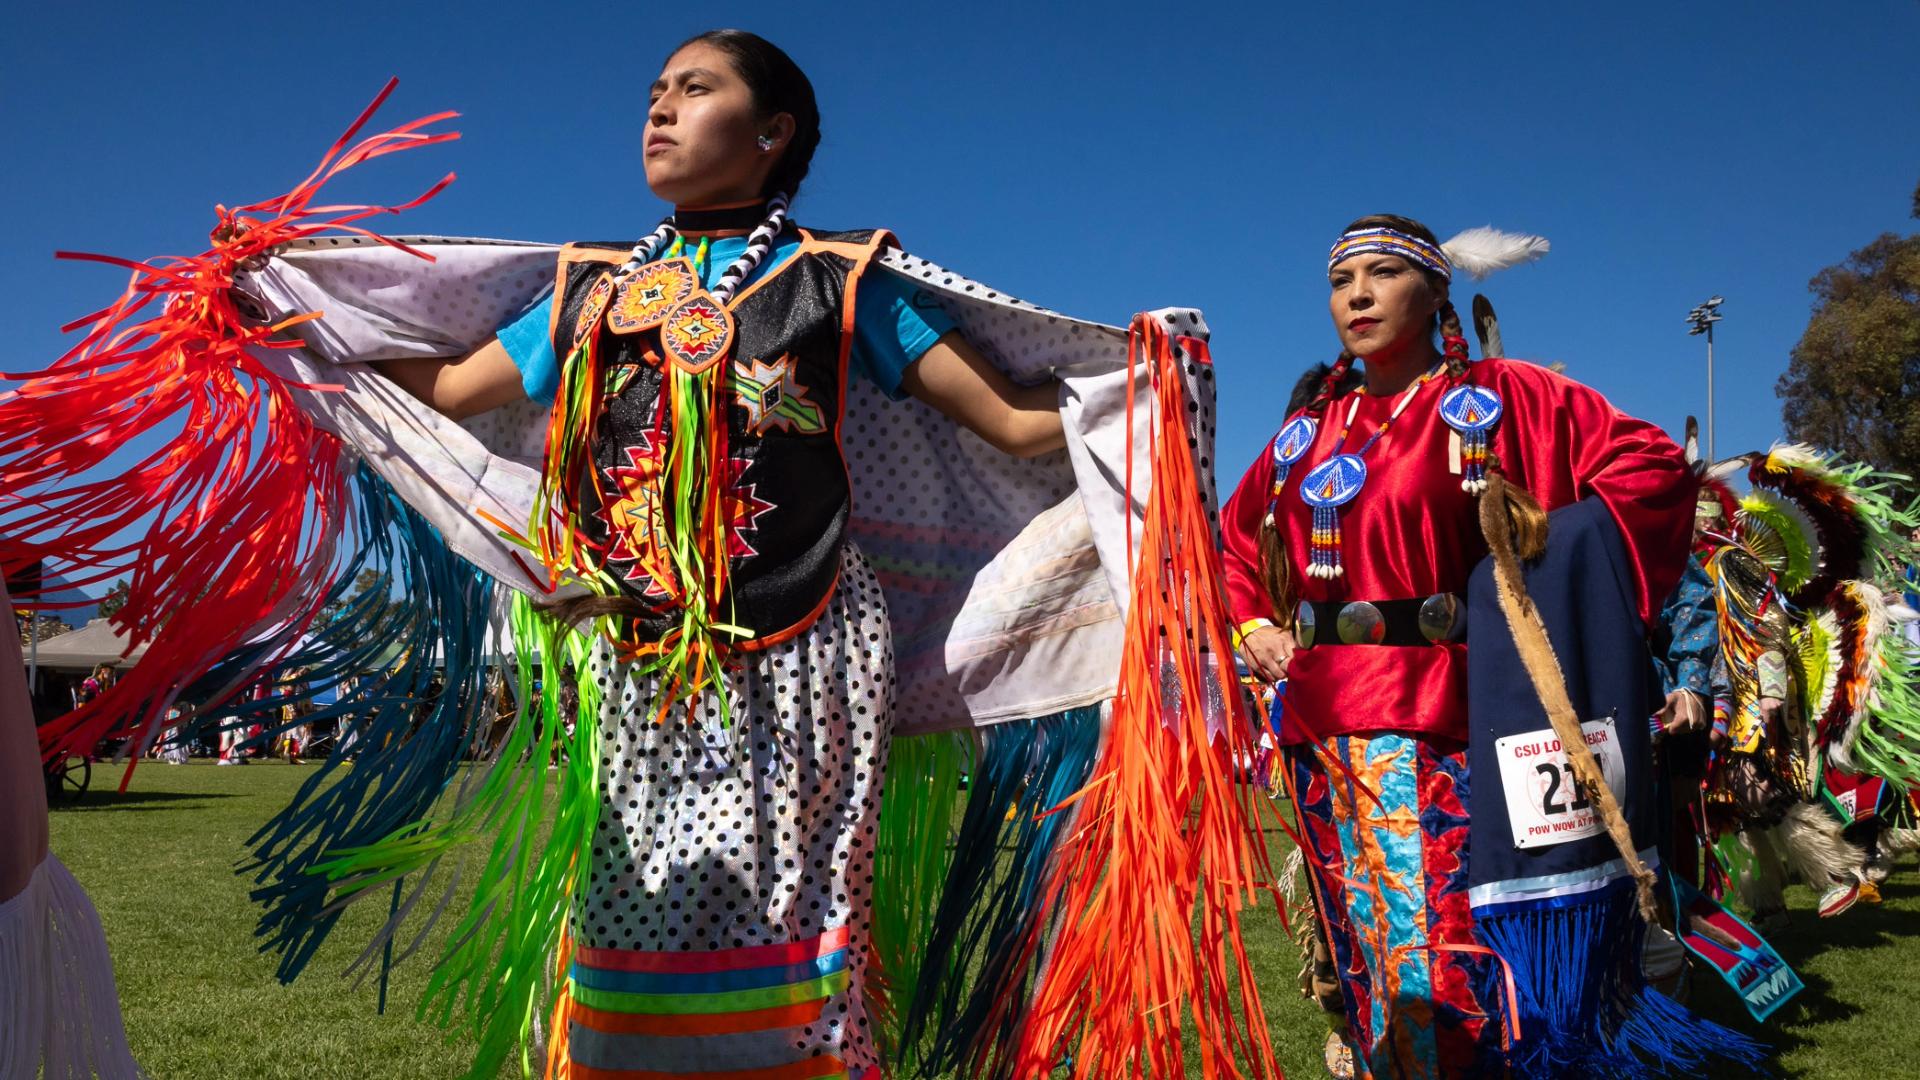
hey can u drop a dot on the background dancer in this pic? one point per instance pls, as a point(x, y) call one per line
point(1815, 743)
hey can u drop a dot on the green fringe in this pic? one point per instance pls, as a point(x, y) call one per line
point(563, 461)
point(693, 485)
point(495, 966)
point(1736, 862)
point(1888, 744)
point(911, 859)
point(1887, 522)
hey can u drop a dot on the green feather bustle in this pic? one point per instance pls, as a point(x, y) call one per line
point(1784, 538)
point(1888, 745)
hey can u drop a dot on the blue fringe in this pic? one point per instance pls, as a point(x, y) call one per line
point(1585, 1008)
point(990, 903)
point(426, 612)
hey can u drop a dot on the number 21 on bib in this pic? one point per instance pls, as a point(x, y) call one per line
point(1544, 805)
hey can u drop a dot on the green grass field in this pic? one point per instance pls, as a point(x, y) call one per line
point(202, 1002)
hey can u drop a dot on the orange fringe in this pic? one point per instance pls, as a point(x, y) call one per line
point(1165, 827)
point(558, 1029)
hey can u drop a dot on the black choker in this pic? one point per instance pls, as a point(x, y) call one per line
point(720, 219)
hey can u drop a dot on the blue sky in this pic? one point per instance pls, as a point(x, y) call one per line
point(1191, 154)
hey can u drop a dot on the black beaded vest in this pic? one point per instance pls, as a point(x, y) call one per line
point(784, 491)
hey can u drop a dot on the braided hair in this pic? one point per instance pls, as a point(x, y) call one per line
point(1313, 391)
point(1334, 380)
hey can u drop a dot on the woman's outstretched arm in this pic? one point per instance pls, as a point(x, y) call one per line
point(953, 377)
point(460, 386)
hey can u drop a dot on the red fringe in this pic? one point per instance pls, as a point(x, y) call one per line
point(1856, 658)
point(1166, 832)
point(228, 527)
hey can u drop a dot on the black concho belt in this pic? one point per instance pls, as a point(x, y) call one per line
point(1431, 620)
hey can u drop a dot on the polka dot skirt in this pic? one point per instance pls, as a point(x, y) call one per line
point(761, 831)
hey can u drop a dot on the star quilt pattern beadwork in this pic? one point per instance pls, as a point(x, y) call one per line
point(775, 399)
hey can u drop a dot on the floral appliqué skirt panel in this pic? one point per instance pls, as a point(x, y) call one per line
point(1385, 818)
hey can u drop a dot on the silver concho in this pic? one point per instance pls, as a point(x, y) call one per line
point(1441, 617)
point(1360, 623)
point(1303, 626)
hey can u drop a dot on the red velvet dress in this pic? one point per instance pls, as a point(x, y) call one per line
point(1412, 532)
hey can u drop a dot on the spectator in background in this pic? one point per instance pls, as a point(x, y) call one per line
point(173, 750)
point(294, 738)
point(93, 685)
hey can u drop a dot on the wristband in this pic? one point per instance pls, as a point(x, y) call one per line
point(1240, 632)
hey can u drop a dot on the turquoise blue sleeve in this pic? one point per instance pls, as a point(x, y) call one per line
point(529, 342)
point(894, 324)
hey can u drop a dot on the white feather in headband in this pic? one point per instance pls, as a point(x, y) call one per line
point(1488, 250)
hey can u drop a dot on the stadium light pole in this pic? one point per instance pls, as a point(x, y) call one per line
point(1701, 319)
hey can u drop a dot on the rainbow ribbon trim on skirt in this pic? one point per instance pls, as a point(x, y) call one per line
point(731, 1014)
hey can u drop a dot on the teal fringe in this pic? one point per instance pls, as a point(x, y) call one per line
point(979, 963)
point(381, 652)
point(394, 826)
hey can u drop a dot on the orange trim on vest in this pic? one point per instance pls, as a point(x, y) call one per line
point(768, 641)
point(862, 256)
point(570, 254)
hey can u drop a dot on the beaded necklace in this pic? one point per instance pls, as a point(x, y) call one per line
point(759, 244)
point(696, 324)
point(1336, 481)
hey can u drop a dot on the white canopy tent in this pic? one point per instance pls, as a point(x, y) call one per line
point(95, 643)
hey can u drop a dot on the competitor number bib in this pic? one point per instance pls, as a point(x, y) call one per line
point(1544, 805)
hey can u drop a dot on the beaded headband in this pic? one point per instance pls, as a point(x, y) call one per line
point(1390, 242)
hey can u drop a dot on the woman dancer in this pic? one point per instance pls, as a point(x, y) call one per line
point(683, 424)
point(1349, 549)
point(744, 667)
